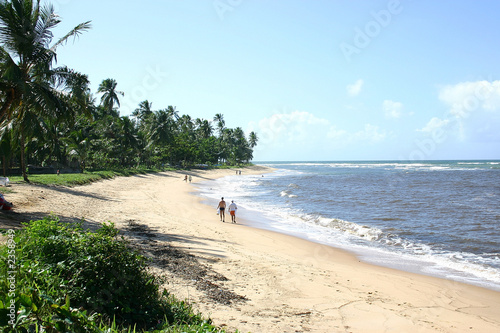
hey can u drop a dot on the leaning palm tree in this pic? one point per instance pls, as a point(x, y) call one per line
point(109, 95)
point(29, 84)
point(26, 57)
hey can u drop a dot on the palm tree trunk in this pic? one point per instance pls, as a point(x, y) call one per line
point(4, 167)
point(23, 158)
point(6, 105)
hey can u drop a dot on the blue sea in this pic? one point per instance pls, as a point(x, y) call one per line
point(438, 218)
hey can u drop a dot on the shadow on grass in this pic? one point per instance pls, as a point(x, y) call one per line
point(15, 220)
point(182, 262)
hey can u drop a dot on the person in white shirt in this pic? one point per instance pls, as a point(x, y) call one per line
point(232, 211)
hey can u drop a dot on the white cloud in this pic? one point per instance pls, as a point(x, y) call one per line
point(474, 108)
point(297, 127)
point(336, 134)
point(392, 109)
point(469, 97)
point(434, 124)
point(370, 134)
point(300, 128)
point(355, 88)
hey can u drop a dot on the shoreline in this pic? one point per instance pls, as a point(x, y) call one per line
point(431, 267)
point(288, 284)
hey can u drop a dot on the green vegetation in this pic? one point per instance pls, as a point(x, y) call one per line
point(87, 177)
point(61, 278)
point(49, 117)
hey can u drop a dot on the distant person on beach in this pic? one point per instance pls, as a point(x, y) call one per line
point(190, 178)
point(232, 211)
point(186, 178)
point(222, 208)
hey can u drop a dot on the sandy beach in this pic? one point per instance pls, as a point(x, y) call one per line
point(255, 280)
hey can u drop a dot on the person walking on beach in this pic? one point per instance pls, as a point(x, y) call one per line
point(232, 211)
point(222, 208)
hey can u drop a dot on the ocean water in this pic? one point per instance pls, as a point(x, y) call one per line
point(439, 218)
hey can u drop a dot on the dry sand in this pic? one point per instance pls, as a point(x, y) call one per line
point(255, 280)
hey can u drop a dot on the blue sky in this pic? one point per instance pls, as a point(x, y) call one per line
point(316, 80)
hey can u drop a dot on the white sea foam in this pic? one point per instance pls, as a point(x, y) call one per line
point(257, 196)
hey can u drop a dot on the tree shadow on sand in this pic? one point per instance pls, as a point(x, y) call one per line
point(157, 247)
point(181, 263)
point(16, 220)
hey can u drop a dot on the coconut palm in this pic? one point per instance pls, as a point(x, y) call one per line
point(109, 95)
point(219, 119)
point(30, 87)
point(252, 139)
point(204, 128)
point(26, 57)
point(144, 110)
point(172, 112)
point(6, 146)
point(78, 146)
point(162, 129)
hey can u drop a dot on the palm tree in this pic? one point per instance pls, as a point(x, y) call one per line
point(30, 86)
point(204, 128)
point(78, 144)
point(30, 125)
point(219, 119)
point(26, 57)
point(110, 95)
point(161, 130)
point(252, 139)
point(144, 110)
point(172, 112)
point(6, 146)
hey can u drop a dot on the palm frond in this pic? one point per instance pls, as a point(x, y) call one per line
point(75, 32)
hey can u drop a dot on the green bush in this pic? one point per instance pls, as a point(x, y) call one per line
point(81, 281)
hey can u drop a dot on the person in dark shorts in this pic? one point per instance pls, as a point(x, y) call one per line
point(222, 208)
